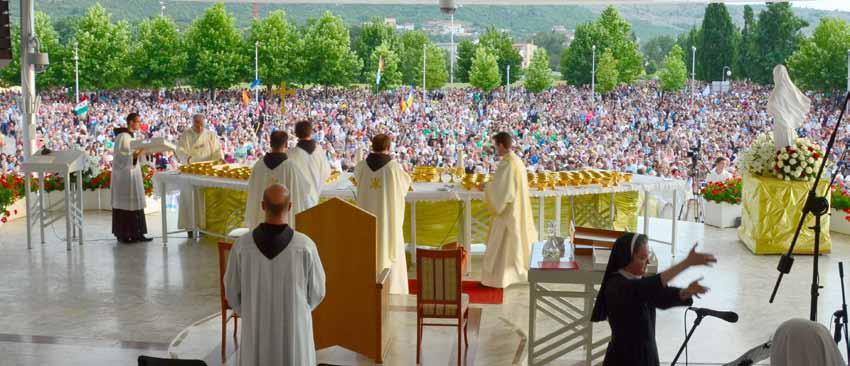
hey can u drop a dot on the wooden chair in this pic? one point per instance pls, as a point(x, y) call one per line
point(223, 254)
point(439, 296)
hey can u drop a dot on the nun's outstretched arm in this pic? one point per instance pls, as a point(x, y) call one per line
point(694, 259)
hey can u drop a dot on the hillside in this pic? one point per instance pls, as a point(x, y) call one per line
point(647, 20)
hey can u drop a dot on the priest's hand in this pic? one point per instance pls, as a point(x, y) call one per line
point(699, 259)
point(137, 153)
point(695, 289)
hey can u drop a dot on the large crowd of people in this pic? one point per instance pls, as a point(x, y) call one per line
point(634, 128)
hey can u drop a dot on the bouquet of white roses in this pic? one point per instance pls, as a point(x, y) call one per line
point(760, 159)
point(798, 162)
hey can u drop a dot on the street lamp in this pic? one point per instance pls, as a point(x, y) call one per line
point(77, 72)
point(256, 71)
point(593, 76)
point(693, 71)
point(848, 77)
point(449, 7)
point(727, 72)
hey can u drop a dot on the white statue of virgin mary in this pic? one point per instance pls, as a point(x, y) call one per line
point(788, 106)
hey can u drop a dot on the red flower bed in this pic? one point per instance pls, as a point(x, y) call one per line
point(728, 191)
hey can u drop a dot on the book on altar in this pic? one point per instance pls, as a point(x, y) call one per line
point(153, 145)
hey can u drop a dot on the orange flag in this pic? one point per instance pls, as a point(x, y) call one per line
point(246, 98)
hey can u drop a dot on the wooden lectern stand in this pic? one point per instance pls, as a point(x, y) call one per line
point(353, 314)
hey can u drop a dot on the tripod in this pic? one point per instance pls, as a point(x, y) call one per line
point(817, 206)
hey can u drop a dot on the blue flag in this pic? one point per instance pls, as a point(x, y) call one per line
point(255, 84)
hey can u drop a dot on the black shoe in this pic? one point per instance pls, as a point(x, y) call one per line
point(144, 239)
point(126, 241)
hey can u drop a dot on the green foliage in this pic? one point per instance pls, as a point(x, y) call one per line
point(159, 56)
point(412, 44)
point(840, 200)
point(607, 72)
point(728, 191)
point(502, 46)
point(484, 73)
point(327, 56)
point(610, 31)
point(538, 77)
point(656, 49)
point(49, 39)
point(217, 56)
point(747, 47)
point(436, 72)
point(279, 49)
point(465, 54)
point(687, 41)
point(554, 44)
point(103, 50)
point(391, 76)
point(777, 37)
point(673, 75)
point(821, 62)
point(716, 47)
point(372, 35)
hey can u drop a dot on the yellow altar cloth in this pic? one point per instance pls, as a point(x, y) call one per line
point(770, 211)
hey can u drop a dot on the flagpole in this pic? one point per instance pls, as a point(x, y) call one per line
point(424, 60)
point(257, 70)
point(76, 73)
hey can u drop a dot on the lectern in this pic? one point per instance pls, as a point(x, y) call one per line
point(354, 313)
point(62, 163)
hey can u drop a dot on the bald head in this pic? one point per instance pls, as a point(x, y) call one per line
point(276, 203)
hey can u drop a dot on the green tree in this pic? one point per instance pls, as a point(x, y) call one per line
point(103, 50)
point(465, 54)
point(484, 72)
point(554, 44)
point(716, 47)
point(279, 49)
point(436, 72)
point(216, 51)
point(673, 75)
point(391, 75)
point(607, 74)
point(502, 46)
point(373, 34)
point(327, 55)
point(538, 77)
point(412, 44)
point(777, 37)
point(159, 56)
point(687, 41)
point(621, 42)
point(747, 55)
point(656, 49)
point(49, 39)
point(821, 62)
point(576, 60)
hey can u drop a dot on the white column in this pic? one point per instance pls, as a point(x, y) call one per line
point(41, 212)
point(69, 232)
point(164, 214)
point(28, 198)
point(452, 52)
point(80, 204)
point(28, 95)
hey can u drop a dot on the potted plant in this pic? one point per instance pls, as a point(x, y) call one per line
point(840, 204)
point(722, 202)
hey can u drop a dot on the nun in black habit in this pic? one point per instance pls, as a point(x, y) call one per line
point(628, 300)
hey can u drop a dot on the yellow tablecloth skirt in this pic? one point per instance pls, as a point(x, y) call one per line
point(438, 223)
point(770, 212)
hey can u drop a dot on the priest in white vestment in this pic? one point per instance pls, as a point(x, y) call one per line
point(274, 281)
point(276, 168)
point(512, 229)
point(196, 145)
point(310, 158)
point(127, 186)
point(382, 185)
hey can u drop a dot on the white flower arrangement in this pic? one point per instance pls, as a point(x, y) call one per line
point(761, 158)
point(799, 162)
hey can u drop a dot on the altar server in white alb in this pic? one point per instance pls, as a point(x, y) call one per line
point(311, 159)
point(277, 168)
point(196, 145)
point(128, 190)
point(382, 185)
point(274, 281)
point(512, 228)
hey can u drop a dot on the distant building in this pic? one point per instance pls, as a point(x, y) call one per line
point(559, 29)
point(405, 27)
point(444, 27)
point(526, 50)
point(390, 21)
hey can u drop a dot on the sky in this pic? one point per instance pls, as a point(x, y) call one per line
point(824, 4)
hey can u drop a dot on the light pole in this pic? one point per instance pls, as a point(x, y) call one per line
point(76, 72)
point(693, 71)
point(509, 83)
point(452, 57)
point(848, 77)
point(162, 8)
point(727, 72)
point(593, 76)
point(257, 71)
point(424, 63)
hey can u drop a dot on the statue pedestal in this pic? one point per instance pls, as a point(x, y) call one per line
point(771, 209)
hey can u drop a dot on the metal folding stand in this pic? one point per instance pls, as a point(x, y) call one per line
point(817, 206)
point(64, 163)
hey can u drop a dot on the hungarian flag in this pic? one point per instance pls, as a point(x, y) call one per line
point(380, 71)
point(82, 107)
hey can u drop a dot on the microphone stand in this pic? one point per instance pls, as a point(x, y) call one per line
point(844, 308)
point(817, 206)
point(697, 321)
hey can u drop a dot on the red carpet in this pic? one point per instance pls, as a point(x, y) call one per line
point(478, 293)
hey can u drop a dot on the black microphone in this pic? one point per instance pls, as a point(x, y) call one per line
point(728, 316)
